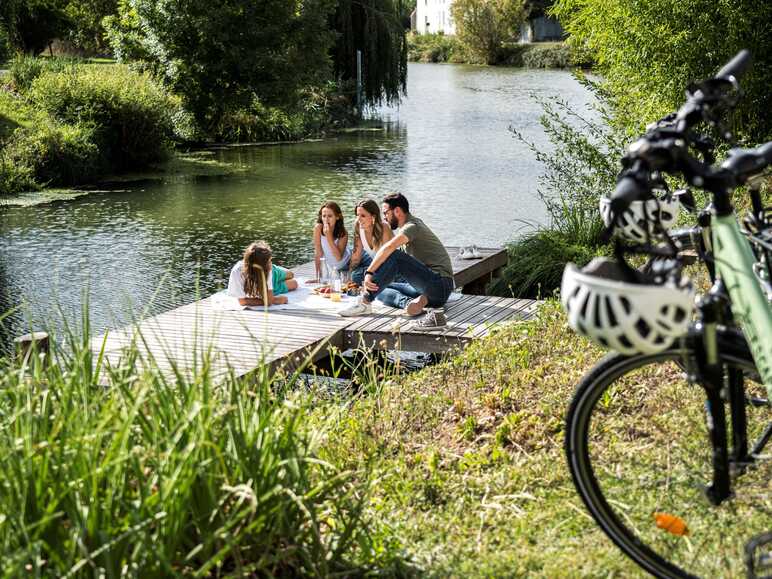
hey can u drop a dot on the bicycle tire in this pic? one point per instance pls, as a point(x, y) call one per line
point(629, 414)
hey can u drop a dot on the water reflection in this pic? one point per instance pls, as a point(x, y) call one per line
point(155, 243)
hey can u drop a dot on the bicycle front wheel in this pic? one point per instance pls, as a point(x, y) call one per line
point(639, 453)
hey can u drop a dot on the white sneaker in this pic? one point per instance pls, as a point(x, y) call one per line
point(361, 308)
point(475, 252)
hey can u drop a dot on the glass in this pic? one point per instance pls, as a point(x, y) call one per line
point(322, 274)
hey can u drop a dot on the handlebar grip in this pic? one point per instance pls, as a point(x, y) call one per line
point(736, 67)
point(628, 189)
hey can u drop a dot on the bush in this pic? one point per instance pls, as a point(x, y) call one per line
point(483, 26)
point(5, 45)
point(260, 123)
point(536, 263)
point(434, 48)
point(161, 477)
point(50, 153)
point(130, 113)
point(25, 69)
point(548, 55)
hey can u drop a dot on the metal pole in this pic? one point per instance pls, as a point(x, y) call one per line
point(359, 81)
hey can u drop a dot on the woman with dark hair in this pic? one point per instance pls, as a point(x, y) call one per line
point(256, 281)
point(370, 232)
point(331, 238)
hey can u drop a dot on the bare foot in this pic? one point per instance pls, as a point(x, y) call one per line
point(416, 306)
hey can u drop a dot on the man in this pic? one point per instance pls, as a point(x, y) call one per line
point(424, 269)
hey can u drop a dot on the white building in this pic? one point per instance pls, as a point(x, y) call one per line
point(434, 16)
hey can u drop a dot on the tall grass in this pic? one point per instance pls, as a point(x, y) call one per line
point(113, 471)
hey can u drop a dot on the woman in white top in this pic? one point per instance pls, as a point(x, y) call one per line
point(331, 238)
point(370, 232)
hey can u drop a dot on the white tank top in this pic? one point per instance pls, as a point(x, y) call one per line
point(366, 246)
point(329, 255)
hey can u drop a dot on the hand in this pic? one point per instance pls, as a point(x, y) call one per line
point(369, 284)
point(326, 229)
point(278, 300)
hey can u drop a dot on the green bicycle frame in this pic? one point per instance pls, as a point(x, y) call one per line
point(734, 261)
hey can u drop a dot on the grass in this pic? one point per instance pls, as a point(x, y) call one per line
point(469, 459)
point(456, 470)
point(156, 476)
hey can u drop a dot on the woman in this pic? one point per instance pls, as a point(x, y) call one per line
point(331, 239)
point(370, 233)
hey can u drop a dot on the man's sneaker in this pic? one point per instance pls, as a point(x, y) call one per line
point(433, 320)
point(360, 308)
point(416, 306)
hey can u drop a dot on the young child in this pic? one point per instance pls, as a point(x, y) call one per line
point(249, 283)
point(331, 238)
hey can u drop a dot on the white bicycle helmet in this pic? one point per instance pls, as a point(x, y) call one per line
point(627, 317)
point(643, 219)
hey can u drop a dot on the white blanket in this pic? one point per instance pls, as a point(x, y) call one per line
point(302, 298)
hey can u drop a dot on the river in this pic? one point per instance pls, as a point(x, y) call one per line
point(148, 245)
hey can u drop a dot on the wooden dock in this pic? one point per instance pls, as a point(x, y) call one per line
point(242, 340)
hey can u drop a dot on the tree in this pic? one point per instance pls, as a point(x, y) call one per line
point(375, 28)
point(86, 17)
point(220, 57)
point(32, 24)
point(483, 25)
point(649, 51)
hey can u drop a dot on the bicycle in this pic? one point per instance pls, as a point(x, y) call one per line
point(637, 424)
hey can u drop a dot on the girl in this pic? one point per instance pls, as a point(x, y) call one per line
point(370, 232)
point(331, 238)
point(248, 281)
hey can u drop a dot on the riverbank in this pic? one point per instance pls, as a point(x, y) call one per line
point(456, 470)
point(442, 48)
point(66, 122)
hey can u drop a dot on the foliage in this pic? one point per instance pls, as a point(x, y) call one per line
point(548, 55)
point(156, 476)
point(536, 263)
point(375, 28)
point(129, 112)
point(581, 167)
point(218, 60)
point(5, 44)
point(436, 47)
point(483, 25)
point(25, 69)
point(62, 154)
point(87, 31)
point(649, 51)
point(322, 108)
point(33, 24)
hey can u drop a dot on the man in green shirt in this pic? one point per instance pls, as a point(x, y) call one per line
point(421, 276)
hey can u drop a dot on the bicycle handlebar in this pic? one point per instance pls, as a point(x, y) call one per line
point(735, 67)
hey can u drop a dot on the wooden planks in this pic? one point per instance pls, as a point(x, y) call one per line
point(242, 341)
point(469, 317)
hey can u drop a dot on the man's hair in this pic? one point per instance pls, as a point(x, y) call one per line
point(395, 200)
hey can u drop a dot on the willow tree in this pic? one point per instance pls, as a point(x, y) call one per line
point(375, 28)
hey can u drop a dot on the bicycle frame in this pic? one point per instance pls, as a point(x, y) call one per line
point(734, 261)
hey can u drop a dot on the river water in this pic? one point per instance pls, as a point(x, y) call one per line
point(148, 245)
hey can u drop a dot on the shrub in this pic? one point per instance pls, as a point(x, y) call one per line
point(5, 44)
point(483, 25)
point(548, 55)
point(434, 48)
point(582, 166)
point(130, 113)
point(51, 153)
point(259, 123)
point(25, 69)
point(536, 263)
point(161, 477)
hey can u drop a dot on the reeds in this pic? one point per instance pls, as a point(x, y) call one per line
point(116, 471)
